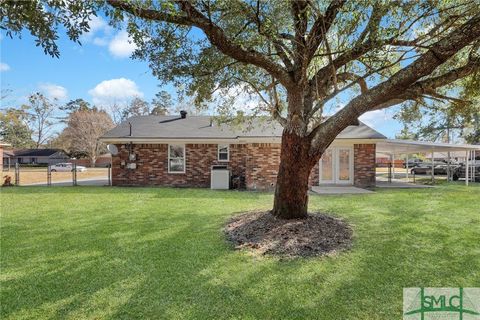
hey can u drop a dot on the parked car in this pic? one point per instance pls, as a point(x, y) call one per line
point(460, 172)
point(443, 169)
point(66, 167)
point(426, 168)
point(412, 163)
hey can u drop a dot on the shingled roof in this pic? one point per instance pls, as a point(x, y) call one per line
point(202, 127)
point(36, 152)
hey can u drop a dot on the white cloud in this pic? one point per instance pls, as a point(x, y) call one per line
point(122, 45)
point(97, 23)
point(4, 67)
point(238, 99)
point(97, 26)
point(54, 91)
point(376, 118)
point(100, 41)
point(115, 91)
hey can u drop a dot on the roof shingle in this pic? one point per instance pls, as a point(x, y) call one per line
point(202, 127)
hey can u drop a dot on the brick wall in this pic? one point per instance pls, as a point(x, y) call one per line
point(364, 165)
point(257, 163)
point(262, 164)
point(152, 165)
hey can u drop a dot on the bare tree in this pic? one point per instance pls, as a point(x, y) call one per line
point(83, 129)
point(40, 110)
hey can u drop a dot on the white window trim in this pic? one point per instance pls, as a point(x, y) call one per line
point(228, 152)
point(184, 159)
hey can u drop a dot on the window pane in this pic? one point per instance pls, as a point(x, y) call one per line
point(344, 162)
point(223, 156)
point(327, 162)
point(176, 151)
point(176, 165)
point(223, 152)
point(223, 148)
point(176, 159)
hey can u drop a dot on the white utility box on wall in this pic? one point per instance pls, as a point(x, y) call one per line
point(220, 178)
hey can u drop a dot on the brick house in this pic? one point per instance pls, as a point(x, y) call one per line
point(1, 154)
point(181, 150)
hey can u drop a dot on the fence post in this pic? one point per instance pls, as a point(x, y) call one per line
point(17, 174)
point(390, 172)
point(74, 173)
point(109, 174)
point(49, 175)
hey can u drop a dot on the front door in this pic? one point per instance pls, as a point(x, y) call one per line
point(336, 166)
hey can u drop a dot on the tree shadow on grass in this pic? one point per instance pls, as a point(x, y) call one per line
point(91, 262)
point(144, 265)
point(366, 283)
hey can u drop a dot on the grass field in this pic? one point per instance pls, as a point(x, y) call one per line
point(126, 253)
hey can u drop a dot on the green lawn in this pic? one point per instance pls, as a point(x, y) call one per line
point(113, 253)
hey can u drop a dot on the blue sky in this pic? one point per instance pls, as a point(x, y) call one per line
point(100, 71)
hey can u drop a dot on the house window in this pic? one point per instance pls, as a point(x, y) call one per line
point(223, 152)
point(176, 158)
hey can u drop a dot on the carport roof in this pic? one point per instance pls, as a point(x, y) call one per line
point(409, 146)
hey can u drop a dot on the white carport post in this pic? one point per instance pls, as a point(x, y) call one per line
point(466, 167)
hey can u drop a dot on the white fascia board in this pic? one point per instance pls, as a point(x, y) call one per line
point(165, 141)
point(350, 142)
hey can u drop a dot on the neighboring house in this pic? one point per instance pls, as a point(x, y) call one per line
point(39, 156)
point(180, 151)
point(2, 145)
point(7, 159)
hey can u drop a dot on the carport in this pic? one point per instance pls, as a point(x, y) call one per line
point(395, 147)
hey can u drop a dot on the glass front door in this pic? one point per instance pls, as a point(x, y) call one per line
point(336, 166)
point(327, 167)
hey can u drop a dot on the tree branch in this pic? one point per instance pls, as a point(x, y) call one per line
point(321, 26)
point(386, 93)
point(300, 24)
point(217, 37)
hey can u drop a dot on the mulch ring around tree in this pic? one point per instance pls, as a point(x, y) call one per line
point(262, 233)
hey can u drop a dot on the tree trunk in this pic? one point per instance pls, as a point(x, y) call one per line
point(291, 193)
point(93, 159)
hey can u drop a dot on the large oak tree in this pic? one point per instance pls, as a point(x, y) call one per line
point(299, 55)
